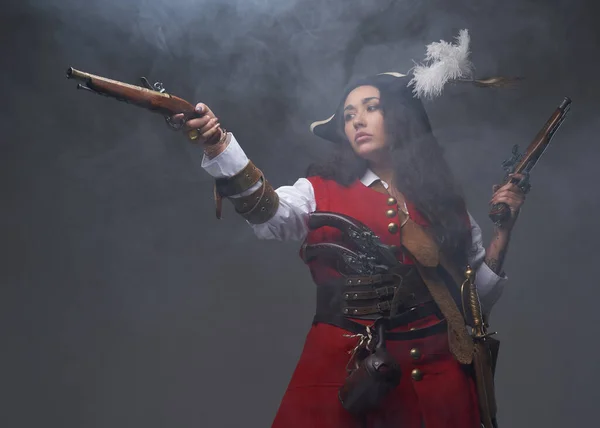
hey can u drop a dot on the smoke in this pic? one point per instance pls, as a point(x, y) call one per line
point(287, 60)
point(264, 55)
point(136, 305)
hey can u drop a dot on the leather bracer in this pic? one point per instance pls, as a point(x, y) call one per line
point(257, 207)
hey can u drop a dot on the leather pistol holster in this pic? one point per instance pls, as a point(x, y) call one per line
point(372, 378)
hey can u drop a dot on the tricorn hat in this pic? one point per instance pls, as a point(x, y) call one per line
point(445, 62)
point(389, 82)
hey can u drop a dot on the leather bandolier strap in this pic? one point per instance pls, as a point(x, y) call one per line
point(257, 207)
point(426, 254)
point(459, 341)
point(414, 240)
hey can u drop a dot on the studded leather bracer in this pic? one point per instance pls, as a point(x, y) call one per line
point(257, 207)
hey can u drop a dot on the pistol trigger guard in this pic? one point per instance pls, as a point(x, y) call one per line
point(524, 184)
point(174, 126)
point(86, 88)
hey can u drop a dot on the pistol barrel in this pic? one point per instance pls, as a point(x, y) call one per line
point(77, 74)
point(565, 103)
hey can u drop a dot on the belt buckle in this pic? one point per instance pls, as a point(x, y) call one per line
point(387, 291)
point(381, 306)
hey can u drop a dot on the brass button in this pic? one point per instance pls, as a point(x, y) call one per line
point(416, 374)
point(415, 353)
point(390, 213)
point(413, 328)
point(393, 227)
point(391, 201)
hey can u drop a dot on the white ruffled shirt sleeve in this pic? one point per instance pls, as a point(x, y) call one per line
point(298, 200)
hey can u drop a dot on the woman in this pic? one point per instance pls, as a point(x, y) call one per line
point(388, 173)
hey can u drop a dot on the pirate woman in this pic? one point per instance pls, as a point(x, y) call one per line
point(388, 347)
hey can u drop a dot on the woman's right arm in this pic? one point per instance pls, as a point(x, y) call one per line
point(273, 213)
point(288, 221)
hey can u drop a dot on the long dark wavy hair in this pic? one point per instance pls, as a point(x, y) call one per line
point(420, 171)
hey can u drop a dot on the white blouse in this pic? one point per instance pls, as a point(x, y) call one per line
point(298, 200)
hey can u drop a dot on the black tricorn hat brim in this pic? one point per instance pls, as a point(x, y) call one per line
point(330, 129)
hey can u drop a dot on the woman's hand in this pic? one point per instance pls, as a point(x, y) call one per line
point(205, 127)
point(513, 196)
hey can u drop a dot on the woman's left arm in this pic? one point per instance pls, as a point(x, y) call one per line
point(512, 195)
point(488, 262)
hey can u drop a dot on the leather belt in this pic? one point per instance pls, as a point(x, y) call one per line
point(420, 333)
point(378, 308)
point(404, 318)
point(358, 280)
point(368, 295)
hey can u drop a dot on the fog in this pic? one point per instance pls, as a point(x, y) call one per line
point(125, 302)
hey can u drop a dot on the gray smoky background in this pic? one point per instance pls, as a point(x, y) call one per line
point(125, 302)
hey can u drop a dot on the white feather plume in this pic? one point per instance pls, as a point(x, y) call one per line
point(445, 62)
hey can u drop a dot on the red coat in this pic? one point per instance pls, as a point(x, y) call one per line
point(435, 390)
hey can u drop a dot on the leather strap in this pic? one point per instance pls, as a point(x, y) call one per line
point(257, 207)
point(414, 314)
point(240, 182)
point(461, 344)
point(218, 202)
point(366, 297)
point(420, 243)
point(266, 206)
point(375, 293)
point(422, 248)
point(246, 203)
point(403, 298)
point(378, 308)
point(404, 318)
point(459, 293)
point(358, 280)
point(424, 251)
point(419, 333)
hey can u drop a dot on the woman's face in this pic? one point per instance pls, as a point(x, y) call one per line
point(363, 124)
